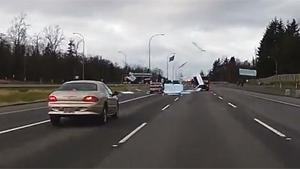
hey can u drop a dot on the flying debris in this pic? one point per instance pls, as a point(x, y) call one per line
point(196, 45)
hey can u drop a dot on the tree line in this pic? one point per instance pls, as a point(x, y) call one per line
point(278, 53)
point(228, 69)
point(40, 58)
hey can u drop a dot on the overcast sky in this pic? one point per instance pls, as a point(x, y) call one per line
point(222, 27)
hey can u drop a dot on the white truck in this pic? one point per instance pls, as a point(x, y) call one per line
point(173, 88)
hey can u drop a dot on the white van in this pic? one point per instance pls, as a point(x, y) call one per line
point(173, 88)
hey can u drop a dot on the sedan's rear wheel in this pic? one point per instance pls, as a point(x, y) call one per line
point(55, 120)
point(104, 117)
point(116, 115)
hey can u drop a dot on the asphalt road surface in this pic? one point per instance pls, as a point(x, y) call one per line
point(221, 128)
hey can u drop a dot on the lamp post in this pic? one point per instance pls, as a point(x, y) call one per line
point(83, 50)
point(180, 68)
point(276, 64)
point(276, 70)
point(149, 47)
point(168, 60)
point(125, 56)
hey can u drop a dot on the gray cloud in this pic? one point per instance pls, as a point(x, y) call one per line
point(223, 27)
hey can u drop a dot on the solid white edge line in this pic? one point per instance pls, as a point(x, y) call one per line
point(221, 98)
point(232, 105)
point(276, 101)
point(22, 127)
point(17, 111)
point(177, 98)
point(132, 133)
point(46, 121)
point(270, 128)
point(167, 106)
point(137, 98)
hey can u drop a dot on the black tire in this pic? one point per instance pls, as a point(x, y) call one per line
point(116, 115)
point(104, 117)
point(55, 120)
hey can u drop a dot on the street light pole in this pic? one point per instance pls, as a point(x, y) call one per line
point(149, 47)
point(168, 67)
point(83, 50)
point(168, 60)
point(125, 56)
point(276, 64)
point(276, 67)
point(180, 68)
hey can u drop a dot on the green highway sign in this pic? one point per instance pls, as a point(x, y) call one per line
point(247, 72)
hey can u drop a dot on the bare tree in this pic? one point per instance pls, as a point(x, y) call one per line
point(54, 37)
point(17, 34)
point(36, 42)
point(18, 30)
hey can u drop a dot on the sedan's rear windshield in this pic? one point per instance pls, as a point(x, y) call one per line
point(78, 87)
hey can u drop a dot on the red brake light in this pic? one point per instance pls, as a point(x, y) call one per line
point(90, 99)
point(52, 99)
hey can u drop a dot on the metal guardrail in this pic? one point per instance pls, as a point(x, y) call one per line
point(281, 78)
point(28, 86)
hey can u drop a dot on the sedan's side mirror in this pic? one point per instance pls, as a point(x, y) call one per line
point(115, 93)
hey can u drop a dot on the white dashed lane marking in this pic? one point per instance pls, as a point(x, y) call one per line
point(132, 133)
point(271, 128)
point(167, 106)
point(232, 105)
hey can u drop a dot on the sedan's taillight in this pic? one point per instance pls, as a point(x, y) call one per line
point(90, 99)
point(52, 98)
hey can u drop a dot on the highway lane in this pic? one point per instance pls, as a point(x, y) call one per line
point(281, 112)
point(78, 143)
point(15, 116)
point(201, 130)
point(278, 114)
point(222, 128)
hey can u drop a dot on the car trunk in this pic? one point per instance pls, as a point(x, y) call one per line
point(72, 99)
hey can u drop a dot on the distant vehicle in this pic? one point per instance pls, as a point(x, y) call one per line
point(156, 87)
point(200, 82)
point(83, 98)
point(173, 88)
point(205, 86)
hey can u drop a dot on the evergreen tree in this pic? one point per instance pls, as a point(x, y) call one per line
point(279, 50)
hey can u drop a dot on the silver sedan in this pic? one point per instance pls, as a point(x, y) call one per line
point(83, 98)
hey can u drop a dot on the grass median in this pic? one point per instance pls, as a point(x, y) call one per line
point(24, 95)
